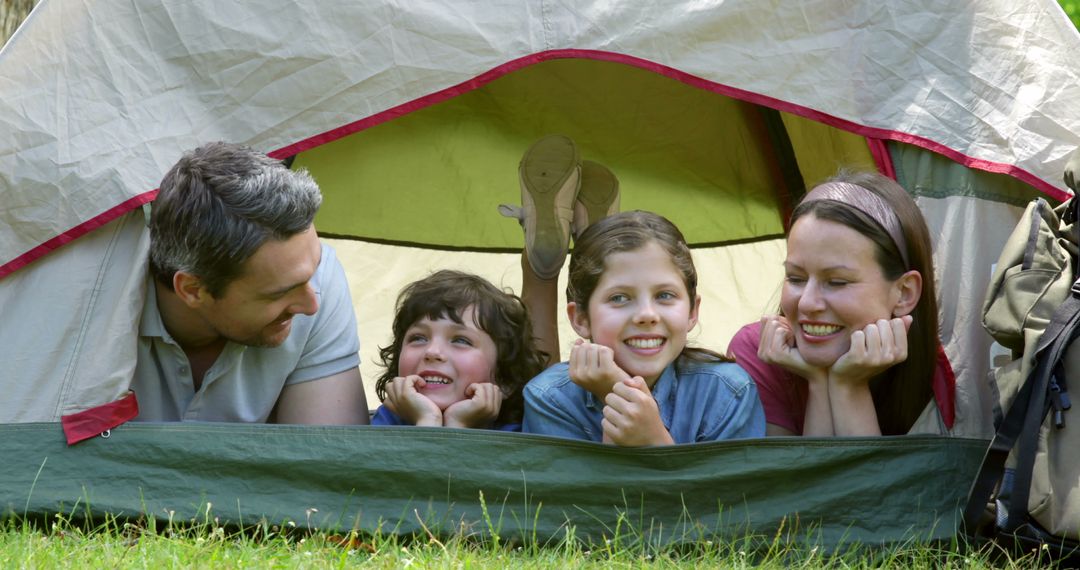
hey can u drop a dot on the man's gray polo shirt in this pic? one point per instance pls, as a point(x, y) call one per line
point(244, 383)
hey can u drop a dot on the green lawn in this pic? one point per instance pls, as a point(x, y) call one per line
point(207, 545)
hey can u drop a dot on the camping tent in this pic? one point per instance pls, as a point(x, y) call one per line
point(413, 118)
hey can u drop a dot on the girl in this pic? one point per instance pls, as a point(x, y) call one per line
point(632, 293)
point(855, 349)
point(462, 351)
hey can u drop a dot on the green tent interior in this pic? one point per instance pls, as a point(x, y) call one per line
point(420, 191)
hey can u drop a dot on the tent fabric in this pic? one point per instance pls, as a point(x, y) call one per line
point(975, 82)
point(826, 492)
point(700, 167)
point(969, 214)
point(70, 325)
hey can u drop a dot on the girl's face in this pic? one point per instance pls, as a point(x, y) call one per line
point(833, 287)
point(640, 309)
point(449, 356)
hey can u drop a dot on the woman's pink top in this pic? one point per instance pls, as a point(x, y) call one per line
point(784, 395)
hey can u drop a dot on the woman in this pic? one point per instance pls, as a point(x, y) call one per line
point(855, 348)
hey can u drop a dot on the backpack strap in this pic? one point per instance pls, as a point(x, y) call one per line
point(1052, 346)
point(1024, 419)
point(1033, 234)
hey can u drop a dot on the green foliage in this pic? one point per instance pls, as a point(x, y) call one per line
point(1072, 9)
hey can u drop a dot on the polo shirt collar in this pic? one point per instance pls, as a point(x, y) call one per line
point(150, 323)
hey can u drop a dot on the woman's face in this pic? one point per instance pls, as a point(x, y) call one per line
point(833, 287)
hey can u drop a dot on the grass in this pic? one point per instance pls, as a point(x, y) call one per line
point(63, 543)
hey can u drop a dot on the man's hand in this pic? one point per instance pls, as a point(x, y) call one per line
point(592, 366)
point(631, 416)
point(873, 350)
point(479, 410)
point(410, 405)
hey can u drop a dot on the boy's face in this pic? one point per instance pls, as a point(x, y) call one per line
point(449, 356)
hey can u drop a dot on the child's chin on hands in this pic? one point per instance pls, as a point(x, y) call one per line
point(478, 410)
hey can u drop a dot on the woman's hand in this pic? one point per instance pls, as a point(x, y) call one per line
point(631, 416)
point(479, 410)
point(777, 346)
point(592, 366)
point(410, 405)
point(874, 349)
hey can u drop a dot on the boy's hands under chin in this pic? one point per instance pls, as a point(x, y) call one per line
point(592, 366)
point(410, 405)
point(479, 410)
point(631, 416)
point(777, 346)
point(873, 350)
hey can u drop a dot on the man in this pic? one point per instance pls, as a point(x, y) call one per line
point(248, 316)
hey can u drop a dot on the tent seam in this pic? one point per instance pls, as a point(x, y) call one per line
point(672, 73)
point(95, 294)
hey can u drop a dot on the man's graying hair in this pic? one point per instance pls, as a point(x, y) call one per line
point(218, 205)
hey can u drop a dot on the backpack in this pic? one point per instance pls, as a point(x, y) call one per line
point(1033, 308)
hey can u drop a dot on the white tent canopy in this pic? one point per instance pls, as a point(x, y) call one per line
point(98, 99)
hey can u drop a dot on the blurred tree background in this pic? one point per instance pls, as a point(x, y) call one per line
point(12, 13)
point(1072, 8)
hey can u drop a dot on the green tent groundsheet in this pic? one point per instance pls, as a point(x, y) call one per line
point(830, 493)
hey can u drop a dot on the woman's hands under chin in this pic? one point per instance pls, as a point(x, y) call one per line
point(845, 385)
point(777, 346)
point(874, 349)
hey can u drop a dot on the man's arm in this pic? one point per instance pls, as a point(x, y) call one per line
point(337, 399)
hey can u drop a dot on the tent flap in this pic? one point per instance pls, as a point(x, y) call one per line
point(829, 492)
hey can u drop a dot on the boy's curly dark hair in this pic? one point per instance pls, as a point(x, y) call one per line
point(447, 293)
